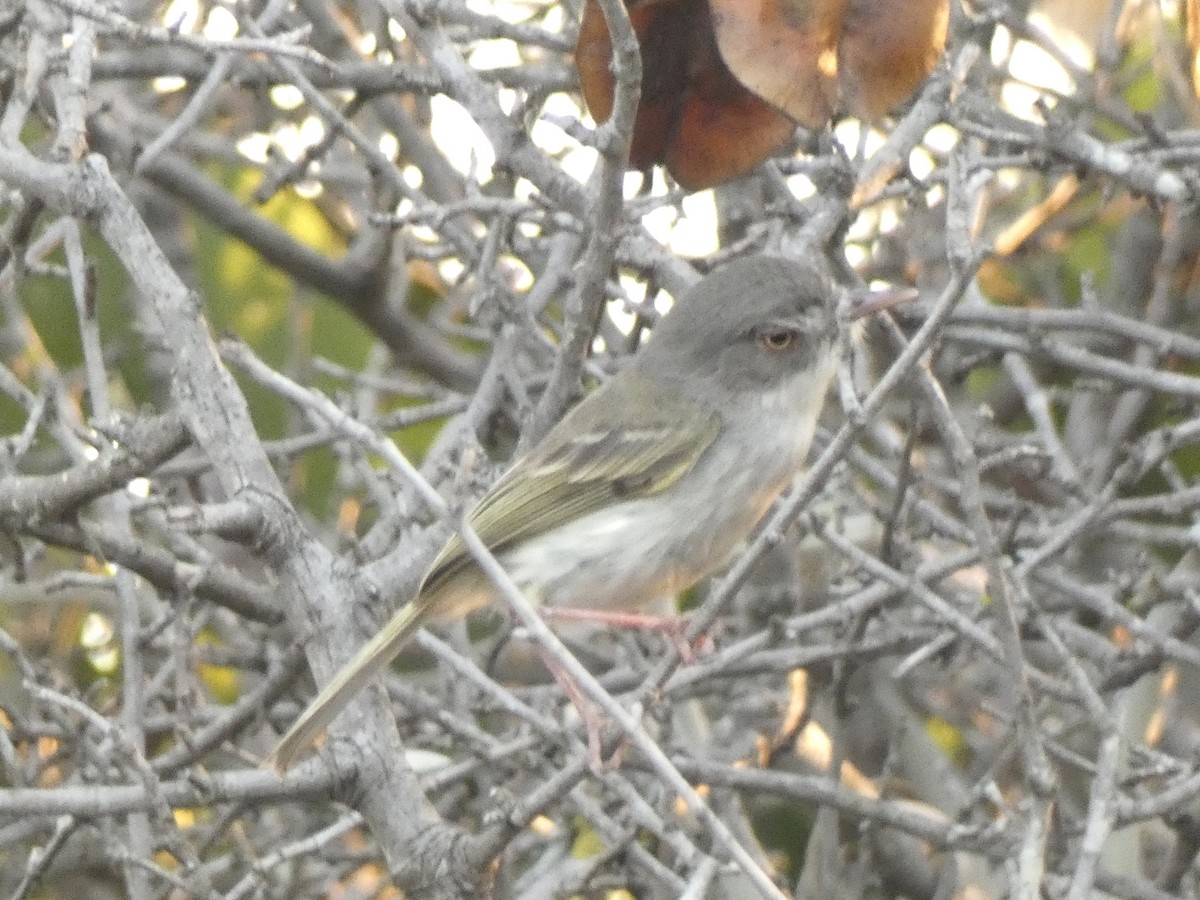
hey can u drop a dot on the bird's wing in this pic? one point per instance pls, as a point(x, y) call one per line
point(588, 462)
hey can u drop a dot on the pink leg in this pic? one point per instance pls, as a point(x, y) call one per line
point(672, 626)
point(593, 721)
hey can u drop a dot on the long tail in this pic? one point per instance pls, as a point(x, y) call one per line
point(373, 657)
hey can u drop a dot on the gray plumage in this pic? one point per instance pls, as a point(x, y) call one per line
point(652, 481)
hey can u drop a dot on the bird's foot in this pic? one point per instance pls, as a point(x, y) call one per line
point(673, 627)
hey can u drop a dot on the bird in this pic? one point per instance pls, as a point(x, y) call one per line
point(654, 479)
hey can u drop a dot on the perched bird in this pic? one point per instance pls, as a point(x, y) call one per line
point(653, 480)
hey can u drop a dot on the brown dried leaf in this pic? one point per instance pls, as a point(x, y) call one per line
point(694, 116)
point(715, 80)
point(887, 49)
point(785, 51)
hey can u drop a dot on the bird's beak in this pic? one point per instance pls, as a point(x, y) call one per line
point(862, 302)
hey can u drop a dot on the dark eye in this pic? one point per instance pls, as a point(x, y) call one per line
point(776, 339)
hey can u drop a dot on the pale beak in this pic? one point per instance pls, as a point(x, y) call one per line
point(862, 302)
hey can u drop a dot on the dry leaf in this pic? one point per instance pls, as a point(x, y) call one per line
point(716, 79)
point(694, 116)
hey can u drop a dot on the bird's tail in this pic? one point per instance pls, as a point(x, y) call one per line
point(373, 657)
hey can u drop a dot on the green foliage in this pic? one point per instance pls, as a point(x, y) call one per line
point(285, 326)
point(949, 738)
point(1088, 251)
point(1143, 91)
point(784, 829)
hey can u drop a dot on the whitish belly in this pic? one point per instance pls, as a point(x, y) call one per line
point(629, 556)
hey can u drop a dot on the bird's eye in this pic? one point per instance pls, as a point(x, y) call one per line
point(776, 339)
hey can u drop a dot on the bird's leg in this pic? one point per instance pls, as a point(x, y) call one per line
point(593, 720)
point(674, 627)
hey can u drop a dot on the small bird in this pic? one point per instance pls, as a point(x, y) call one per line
point(655, 478)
